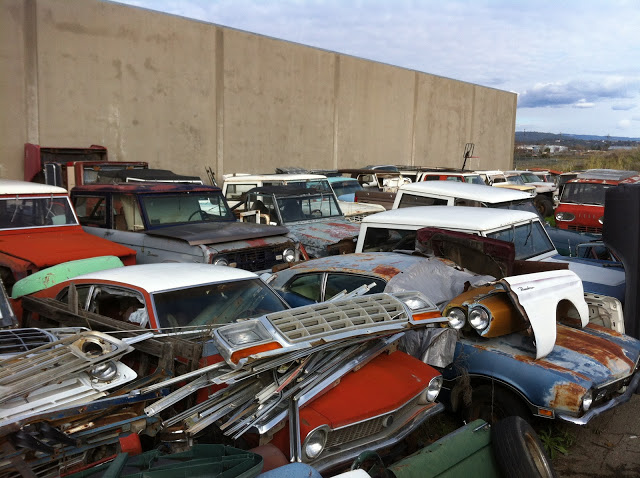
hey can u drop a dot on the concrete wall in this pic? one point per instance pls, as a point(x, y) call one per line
point(183, 95)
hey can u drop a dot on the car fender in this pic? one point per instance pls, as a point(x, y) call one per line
point(537, 296)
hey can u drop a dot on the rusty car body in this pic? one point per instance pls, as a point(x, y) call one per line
point(573, 374)
point(172, 222)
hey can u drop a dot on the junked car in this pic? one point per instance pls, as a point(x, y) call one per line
point(321, 356)
point(313, 216)
point(391, 230)
point(526, 343)
point(39, 228)
point(172, 222)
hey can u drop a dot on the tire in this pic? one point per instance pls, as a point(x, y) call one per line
point(518, 450)
point(493, 403)
point(544, 205)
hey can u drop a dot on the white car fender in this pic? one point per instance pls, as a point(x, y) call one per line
point(537, 296)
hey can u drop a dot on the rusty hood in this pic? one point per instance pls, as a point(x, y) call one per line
point(318, 235)
point(218, 232)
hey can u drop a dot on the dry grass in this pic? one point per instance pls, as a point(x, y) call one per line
point(628, 159)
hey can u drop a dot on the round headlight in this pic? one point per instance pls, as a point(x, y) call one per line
point(565, 216)
point(587, 400)
point(220, 261)
point(104, 372)
point(289, 255)
point(314, 443)
point(457, 318)
point(432, 391)
point(479, 318)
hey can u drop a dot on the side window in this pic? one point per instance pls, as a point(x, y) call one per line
point(234, 191)
point(91, 210)
point(336, 283)
point(454, 178)
point(126, 213)
point(408, 200)
point(308, 286)
point(380, 239)
point(431, 178)
point(119, 304)
point(82, 292)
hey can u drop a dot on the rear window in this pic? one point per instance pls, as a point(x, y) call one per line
point(530, 239)
point(409, 200)
point(382, 239)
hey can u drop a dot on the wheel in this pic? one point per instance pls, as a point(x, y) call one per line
point(518, 450)
point(316, 213)
point(199, 211)
point(492, 403)
point(544, 205)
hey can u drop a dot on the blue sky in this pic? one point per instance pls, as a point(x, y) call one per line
point(574, 64)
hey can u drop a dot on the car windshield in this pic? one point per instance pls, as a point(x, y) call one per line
point(515, 179)
point(49, 211)
point(523, 205)
point(474, 180)
point(199, 207)
point(585, 193)
point(530, 178)
point(214, 304)
point(342, 188)
point(308, 207)
point(530, 239)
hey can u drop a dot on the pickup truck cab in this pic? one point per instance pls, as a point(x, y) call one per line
point(440, 193)
point(313, 216)
point(545, 191)
point(581, 205)
point(39, 228)
point(172, 222)
point(396, 229)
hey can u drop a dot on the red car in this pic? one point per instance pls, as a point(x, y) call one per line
point(581, 205)
point(39, 229)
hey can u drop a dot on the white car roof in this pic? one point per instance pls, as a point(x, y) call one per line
point(447, 217)
point(10, 186)
point(475, 192)
point(243, 178)
point(158, 277)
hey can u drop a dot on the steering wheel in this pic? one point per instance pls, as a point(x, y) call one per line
point(316, 213)
point(203, 215)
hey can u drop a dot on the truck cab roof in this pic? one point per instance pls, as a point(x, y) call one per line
point(460, 190)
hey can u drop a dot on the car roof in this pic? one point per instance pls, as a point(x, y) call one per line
point(145, 187)
point(10, 186)
point(477, 192)
point(164, 276)
point(241, 178)
point(447, 217)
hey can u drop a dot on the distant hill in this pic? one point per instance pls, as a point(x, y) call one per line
point(535, 137)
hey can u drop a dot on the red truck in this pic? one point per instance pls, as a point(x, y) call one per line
point(69, 167)
point(581, 205)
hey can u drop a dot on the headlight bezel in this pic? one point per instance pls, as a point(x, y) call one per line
point(565, 216)
point(289, 255)
point(430, 394)
point(461, 320)
point(587, 400)
point(321, 432)
point(485, 316)
point(220, 261)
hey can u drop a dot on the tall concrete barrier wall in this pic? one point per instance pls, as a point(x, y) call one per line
point(185, 95)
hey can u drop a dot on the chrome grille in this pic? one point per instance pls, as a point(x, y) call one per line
point(590, 229)
point(367, 428)
point(320, 320)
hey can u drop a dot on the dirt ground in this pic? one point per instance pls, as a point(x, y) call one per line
point(608, 446)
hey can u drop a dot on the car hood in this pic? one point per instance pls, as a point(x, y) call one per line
point(50, 246)
point(588, 356)
point(324, 232)
point(218, 232)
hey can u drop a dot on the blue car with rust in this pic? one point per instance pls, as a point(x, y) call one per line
point(527, 345)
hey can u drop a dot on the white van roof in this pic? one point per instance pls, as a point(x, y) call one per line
point(472, 192)
point(447, 217)
point(243, 178)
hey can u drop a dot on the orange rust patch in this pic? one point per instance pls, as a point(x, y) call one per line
point(567, 396)
point(601, 350)
point(601, 328)
point(548, 365)
point(386, 271)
